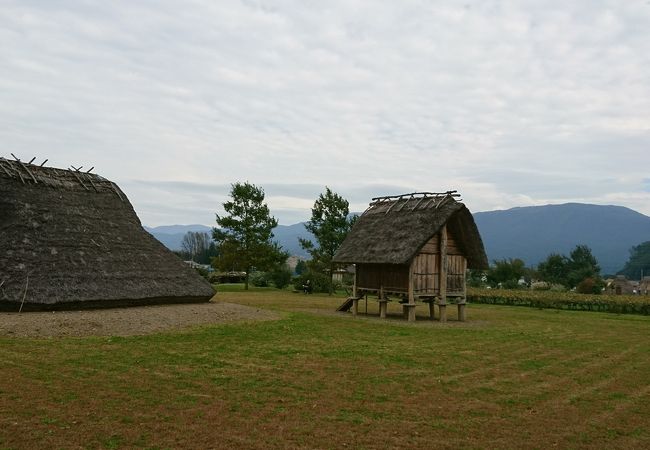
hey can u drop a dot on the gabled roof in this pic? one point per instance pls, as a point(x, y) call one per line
point(72, 239)
point(393, 230)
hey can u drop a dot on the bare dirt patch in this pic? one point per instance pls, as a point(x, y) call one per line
point(126, 321)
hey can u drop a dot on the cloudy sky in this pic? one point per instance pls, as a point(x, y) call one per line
point(513, 103)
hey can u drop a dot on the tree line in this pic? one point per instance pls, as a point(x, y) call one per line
point(578, 271)
point(243, 242)
point(243, 238)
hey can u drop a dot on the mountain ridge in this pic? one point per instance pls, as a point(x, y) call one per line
point(530, 233)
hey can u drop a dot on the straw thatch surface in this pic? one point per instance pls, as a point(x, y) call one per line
point(70, 239)
point(393, 232)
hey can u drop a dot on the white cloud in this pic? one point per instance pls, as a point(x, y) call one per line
point(513, 103)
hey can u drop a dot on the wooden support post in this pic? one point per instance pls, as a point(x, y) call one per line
point(354, 282)
point(383, 303)
point(432, 310)
point(383, 307)
point(410, 312)
point(409, 308)
point(442, 304)
point(355, 306)
point(442, 309)
point(461, 311)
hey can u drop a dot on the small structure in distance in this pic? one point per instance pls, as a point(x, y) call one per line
point(71, 239)
point(415, 246)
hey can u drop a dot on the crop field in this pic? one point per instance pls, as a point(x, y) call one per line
point(507, 378)
point(626, 304)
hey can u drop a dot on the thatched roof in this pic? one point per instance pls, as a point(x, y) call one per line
point(72, 239)
point(393, 230)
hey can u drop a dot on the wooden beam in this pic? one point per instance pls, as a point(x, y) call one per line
point(442, 305)
point(27, 170)
point(463, 300)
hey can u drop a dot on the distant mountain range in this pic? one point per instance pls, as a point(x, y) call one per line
point(530, 233)
point(286, 235)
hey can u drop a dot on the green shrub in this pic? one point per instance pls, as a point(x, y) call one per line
point(259, 279)
point(281, 277)
point(319, 282)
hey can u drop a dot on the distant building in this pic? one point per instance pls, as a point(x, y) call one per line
point(622, 286)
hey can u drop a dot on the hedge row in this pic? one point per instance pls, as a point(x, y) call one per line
point(622, 304)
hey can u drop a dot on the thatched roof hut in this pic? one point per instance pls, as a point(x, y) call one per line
point(415, 245)
point(71, 239)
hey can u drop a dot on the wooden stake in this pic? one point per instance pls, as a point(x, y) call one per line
point(24, 295)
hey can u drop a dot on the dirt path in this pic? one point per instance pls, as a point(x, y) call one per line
point(126, 321)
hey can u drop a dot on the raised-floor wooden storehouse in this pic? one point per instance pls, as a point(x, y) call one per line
point(417, 247)
point(71, 239)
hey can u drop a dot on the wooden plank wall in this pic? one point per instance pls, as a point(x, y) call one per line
point(431, 247)
point(389, 276)
point(395, 278)
point(426, 268)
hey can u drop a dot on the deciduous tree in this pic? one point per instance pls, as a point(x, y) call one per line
point(506, 272)
point(196, 244)
point(570, 271)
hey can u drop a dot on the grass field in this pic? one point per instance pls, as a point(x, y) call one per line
point(508, 378)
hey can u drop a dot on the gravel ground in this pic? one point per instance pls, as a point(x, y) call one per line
point(126, 321)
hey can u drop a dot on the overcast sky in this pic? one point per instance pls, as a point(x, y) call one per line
point(513, 103)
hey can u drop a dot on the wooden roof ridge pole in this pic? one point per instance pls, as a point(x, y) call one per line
point(413, 194)
point(442, 282)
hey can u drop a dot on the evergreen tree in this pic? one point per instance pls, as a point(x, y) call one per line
point(582, 265)
point(639, 263)
point(329, 224)
point(246, 232)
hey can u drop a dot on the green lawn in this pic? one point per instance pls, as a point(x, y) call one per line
point(507, 378)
